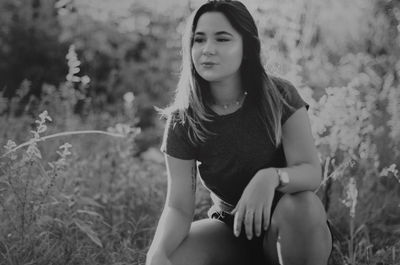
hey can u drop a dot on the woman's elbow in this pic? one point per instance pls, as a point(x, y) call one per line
point(185, 207)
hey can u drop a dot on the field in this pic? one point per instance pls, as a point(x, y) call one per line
point(81, 177)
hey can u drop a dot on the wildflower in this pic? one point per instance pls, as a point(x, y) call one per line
point(391, 169)
point(85, 80)
point(44, 116)
point(41, 124)
point(124, 129)
point(36, 135)
point(129, 97)
point(65, 150)
point(10, 145)
point(351, 196)
point(33, 151)
point(73, 64)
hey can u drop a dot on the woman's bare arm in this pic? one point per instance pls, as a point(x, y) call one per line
point(303, 165)
point(177, 215)
point(303, 169)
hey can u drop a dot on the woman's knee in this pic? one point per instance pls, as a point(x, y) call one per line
point(299, 225)
point(297, 207)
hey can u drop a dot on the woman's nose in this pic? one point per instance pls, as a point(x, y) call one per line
point(209, 48)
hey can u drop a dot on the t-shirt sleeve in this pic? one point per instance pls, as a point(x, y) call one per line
point(176, 140)
point(293, 99)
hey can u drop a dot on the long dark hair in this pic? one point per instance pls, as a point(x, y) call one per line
point(193, 92)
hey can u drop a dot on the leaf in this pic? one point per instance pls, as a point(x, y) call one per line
point(43, 171)
point(44, 219)
point(42, 128)
point(75, 70)
point(10, 145)
point(33, 151)
point(92, 213)
point(85, 228)
point(4, 185)
point(359, 229)
point(88, 201)
point(394, 229)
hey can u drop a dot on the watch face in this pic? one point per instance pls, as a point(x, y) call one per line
point(284, 177)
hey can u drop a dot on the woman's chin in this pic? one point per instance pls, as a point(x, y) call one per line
point(211, 78)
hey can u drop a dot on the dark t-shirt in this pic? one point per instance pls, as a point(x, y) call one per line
point(241, 147)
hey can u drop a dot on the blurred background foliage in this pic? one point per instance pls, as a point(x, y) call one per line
point(93, 64)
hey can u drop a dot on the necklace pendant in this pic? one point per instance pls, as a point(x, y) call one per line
point(237, 102)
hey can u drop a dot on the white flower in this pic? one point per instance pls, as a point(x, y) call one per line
point(33, 151)
point(10, 145)
point(129, 97)
point(351, 196)
point(44, 116)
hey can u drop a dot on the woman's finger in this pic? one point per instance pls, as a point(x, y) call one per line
point(238, 220)
point(266, 216)
point(248, 223)
point(258, 219)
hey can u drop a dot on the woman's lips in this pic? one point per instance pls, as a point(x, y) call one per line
point(208, 64)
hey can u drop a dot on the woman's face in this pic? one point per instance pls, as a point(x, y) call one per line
point(217, 49)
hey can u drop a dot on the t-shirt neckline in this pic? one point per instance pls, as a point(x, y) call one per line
point(229, 114)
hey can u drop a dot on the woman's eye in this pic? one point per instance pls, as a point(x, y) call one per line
point(223, 40)
point(198, 40)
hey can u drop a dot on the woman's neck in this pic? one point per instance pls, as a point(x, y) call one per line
point(226, 92)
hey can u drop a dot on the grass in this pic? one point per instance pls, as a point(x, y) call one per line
point(92, 201)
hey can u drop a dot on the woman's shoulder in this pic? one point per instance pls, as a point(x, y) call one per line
point(289, 93)
point(177, 119)
point(171, 114)
point(284, 86)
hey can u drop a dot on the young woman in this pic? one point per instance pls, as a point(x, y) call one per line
point(250, 134)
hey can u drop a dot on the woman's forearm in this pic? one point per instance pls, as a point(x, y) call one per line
point(172, 228)
point(302, 177)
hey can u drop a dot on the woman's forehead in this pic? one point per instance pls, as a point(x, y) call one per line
point(214, 22)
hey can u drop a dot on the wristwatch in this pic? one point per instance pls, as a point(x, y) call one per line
point(283, 178)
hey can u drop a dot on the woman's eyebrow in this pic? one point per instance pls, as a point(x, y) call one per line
point(216, 33)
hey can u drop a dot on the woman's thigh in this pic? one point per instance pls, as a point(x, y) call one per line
point(301, 223)
point(212, 242)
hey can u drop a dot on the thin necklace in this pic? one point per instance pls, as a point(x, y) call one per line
point(236, 103)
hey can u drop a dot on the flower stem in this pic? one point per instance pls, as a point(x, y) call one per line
point(62, 134)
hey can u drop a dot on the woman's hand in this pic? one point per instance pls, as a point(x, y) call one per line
point(254, 207)
point(157, 258)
